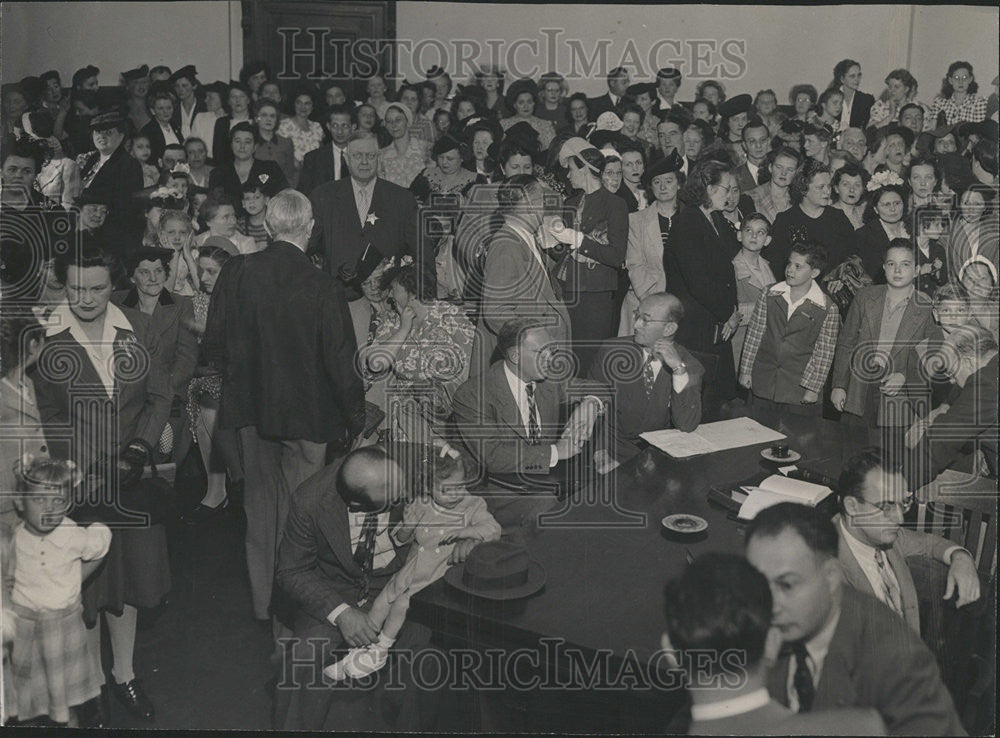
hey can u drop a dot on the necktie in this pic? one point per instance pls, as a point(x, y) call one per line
point(364, 556)
point(534, 433)
point(802, 679)
point(363, 205)
point(890, 587)
point(343, 166)
point(648, 378)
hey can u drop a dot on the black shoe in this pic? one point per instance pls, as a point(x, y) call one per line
point(134, 698)
point(91, 714)
point(204, 514)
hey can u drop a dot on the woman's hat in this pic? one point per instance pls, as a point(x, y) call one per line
point(219, 88)
point(984, 129)
point(878, 135)
point(736, 105)
point(407, 113)
point(672, 162)
point(573, 147)
point(641, 88)
point(608, 121)
point(138, 73)
point(471, 126)
point(446, 143)
point(524, 134)
point(668, 73)
point(497, 570)
point(517, 88)
point(187, 72)
point(107, 120)
point(94, 196)
point(84, 74)
point(223, 243)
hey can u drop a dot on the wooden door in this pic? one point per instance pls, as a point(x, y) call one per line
point(313, 41)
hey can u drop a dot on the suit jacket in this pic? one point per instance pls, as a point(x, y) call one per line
point(199, 107)
point(317, 168)
point(139, 409)
point(618, 364)
point(861, 109)
point(225, 178)
point(860, 333)
point(490, 425)
point(644, 254)
point(745, 179)
point(908, 543)
point(631, 202)
point(118, 180)
point(315, 564)
point(280, 331)
point(775, 719)
point(338, 231)
point(972, 416)
point(871, 244)
point(598, 105)
point(515, 285)
point(169, 325)
point(157, 143)
point(875, 660)
point(699, 271)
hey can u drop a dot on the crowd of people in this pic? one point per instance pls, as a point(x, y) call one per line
point(363, 307)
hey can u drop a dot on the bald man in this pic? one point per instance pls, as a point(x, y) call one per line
point(853, 141)
point(655, 382)
point(332, 568)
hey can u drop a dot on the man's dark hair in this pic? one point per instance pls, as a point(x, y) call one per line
point(24, 148)
point(759, 217)
point(852, 476)
point(815, 253)
point(811, 525)
point(89, 256)
point(510, 333)
point(900, 243)
point(754, 122)
point(720, 603)
point(681, 120)
point(908, 106)
point(342, 109)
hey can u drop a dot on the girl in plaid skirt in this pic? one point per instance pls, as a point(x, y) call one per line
point(52, 665)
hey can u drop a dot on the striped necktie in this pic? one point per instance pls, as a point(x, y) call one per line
point(364, 555)
point(890, 586)
point(648, 378)
point(534, 432)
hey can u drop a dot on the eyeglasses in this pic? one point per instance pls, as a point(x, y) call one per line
point(637, 318)
point(883, 507)
point(960, 77)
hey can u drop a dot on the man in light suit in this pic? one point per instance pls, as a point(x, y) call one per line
point(516, 279)
point(874, 546)
point(721, 605)
point(362, 219)
point(840, 647)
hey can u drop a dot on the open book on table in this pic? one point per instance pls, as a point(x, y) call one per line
point(777, 488)
point(711, 437)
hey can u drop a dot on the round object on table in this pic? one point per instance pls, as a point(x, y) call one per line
point(684, 527)
point(791, 458)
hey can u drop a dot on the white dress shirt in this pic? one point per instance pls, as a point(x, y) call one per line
point(369, 189)
point(187, 119)
point(845, 112)
point(816, 649)
point(101, 353)
point(517, 389)
point(336, 159)
point(865, 556)
point(385, 551)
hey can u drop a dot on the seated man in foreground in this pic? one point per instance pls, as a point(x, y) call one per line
point(841, 647)
point(655, 382)
point(721, 606)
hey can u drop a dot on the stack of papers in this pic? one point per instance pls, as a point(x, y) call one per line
point(777, 488)
point(711, 437)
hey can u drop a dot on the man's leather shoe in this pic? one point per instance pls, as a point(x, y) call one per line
point(134, 698)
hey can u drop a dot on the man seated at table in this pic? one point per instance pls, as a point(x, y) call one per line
point(841, 647)
point(971, 414)
point(722, 605)
point(655, 382)
point(509, 417)
point(334, 559)
point(874, 546)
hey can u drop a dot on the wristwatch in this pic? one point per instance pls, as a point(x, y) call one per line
point(680, 368)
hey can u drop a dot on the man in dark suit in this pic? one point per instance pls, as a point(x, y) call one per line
point(875, 547)
point(722, 606)
point(329, 163)
point(280, 331)
point(655, 382)
point(757, 144)
point(335, 557)
point(361, 219)
point(841, 648)
point(509, 416)
point(618, 82)
point(118, 176)
point(971, 415)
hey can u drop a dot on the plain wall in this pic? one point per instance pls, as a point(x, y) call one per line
point(116, 37)
point(783, 45)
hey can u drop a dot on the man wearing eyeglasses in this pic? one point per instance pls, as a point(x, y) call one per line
point(874, 546)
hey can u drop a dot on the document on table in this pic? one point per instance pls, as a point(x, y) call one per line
point(777, 488)
point(711, 437)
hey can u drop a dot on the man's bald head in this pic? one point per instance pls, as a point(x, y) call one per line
point(368, 479)
point(664, 306)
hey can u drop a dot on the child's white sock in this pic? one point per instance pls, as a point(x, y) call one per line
point(385, 641)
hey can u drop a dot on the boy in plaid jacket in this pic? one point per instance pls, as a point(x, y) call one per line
point(792, 338)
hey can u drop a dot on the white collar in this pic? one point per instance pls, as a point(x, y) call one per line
point(861, 550)
point(732, 707)
point(814, 295)
point(517, 384)
point(62, 318)
point(60, 536)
